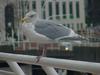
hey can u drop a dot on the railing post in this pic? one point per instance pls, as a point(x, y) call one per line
point(16, 68)
point(49, 70)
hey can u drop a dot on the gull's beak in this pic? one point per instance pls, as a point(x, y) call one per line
point(24, 20)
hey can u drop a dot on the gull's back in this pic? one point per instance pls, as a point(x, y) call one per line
point(51, 29)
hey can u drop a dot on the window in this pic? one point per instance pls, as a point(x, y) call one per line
point(43, 9)
point(20, 2)
point(78, 27)
point(71, 9)
point(50, 9)
point(44, 16)
point(77, 9)
point(72, 26)
point(68, 25)
point(57, 10)
point(34, 5)
point(24, 6)
point(9, 20)
point(81, 25)
point(42, 3)
point(64, 9)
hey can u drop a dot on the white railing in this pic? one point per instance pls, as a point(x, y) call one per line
point(49, 64)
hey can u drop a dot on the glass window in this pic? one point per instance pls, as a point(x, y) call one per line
point(44, 16)
point(43, 9)
point(72, 26)
point(50, 9)
point(20, 2)
point(77, 9)
point(64, 9)
point(42, 3)
point(81, 25)
point(57, 10)
point(23, 8)
point(34, 5)
point(78, 27)
point(68, 25)
point(71, 9)
point(26, 6)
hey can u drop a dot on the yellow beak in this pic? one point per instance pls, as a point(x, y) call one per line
point(24, 20)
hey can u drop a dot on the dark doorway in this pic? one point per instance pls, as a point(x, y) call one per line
point(9, 19)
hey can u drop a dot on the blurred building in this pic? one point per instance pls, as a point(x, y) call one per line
point(93, 12)
point(70, 13)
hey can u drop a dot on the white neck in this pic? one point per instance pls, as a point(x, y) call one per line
point(34, 20)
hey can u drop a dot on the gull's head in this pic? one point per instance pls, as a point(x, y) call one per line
point(30, 17)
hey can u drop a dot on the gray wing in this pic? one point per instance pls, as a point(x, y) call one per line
point(51, 30)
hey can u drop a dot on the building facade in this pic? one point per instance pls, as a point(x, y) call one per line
point(70, 13)
point(8, 17)
point(93, 12)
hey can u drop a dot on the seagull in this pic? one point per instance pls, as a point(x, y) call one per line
point(45, 31)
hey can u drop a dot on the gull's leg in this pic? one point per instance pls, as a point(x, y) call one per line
point(44, 51)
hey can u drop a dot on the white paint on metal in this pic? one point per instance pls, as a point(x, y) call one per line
point(53, 62)
point(49, 70)
point(7, 72)
point(16, 68)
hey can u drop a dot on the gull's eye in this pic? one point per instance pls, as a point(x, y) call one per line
point(31, 16)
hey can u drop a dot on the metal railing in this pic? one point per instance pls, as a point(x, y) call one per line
point(48, 64)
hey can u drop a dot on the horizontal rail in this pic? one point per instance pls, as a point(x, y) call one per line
point(7, 72)
point(53, 62)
